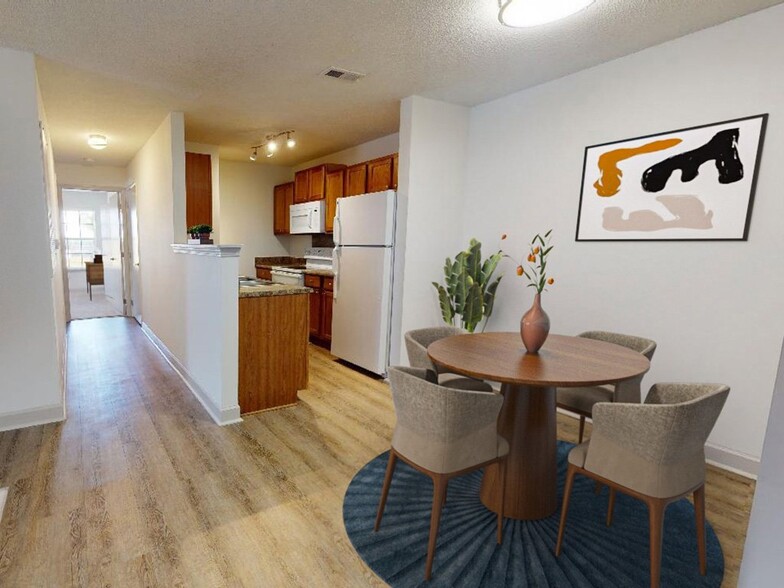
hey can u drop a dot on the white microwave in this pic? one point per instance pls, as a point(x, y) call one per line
point(308, 217)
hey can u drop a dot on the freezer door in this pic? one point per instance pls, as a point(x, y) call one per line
point(362, 306)
point(368, 219)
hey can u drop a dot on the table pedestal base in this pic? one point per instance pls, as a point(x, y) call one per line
point(528, 422)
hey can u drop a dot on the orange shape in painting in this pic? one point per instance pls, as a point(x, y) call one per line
point(610, 182)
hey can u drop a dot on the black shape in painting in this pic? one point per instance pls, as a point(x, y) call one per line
point(722, 148)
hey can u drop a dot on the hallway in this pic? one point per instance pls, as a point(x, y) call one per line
point(140, 487)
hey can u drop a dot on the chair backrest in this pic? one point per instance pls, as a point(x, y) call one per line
point(441, 429)
point(418, 340)
point(694, 410)
point(656, 448)
point(639, 344)
point(627, 390)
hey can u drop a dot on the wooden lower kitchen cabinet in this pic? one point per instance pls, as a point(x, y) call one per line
point(273, 351)
point(320, 324)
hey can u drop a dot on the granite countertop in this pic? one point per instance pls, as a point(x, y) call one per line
point(270, 289)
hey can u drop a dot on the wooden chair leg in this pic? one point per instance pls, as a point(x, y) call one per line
point(570, 472)
point(439, 489)
point(502, 482)
point(699, 512)
point(582, 428)
point(385, 489)
point(610, 506)
point(656, 520)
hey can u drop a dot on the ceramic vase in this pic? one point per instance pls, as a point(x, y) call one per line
point(535, 326)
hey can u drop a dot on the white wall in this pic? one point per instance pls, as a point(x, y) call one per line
point(433, 150)
point(362, 152)
point(713, 308)
point(97, 177)
point(761, 567)
point(185, 306)
point(158, 187)
point(31, 308)
point(247, 212)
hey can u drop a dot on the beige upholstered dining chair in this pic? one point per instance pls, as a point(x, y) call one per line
point(417, 342)
point(581, 400)
point(654, 452)
point(443, 433)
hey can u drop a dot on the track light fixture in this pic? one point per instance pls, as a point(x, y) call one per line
point(271, 145)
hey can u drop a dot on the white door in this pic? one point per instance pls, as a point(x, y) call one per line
point(368, 219)
point(111, 247)
point(361, 306)
point(132, 252)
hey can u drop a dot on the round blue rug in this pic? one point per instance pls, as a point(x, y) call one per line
point(467, 553)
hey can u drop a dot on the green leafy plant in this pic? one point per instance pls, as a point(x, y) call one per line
point(536, 272)
point(200, 229)
point(468, 293)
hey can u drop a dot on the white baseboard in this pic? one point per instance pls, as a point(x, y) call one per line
point(721, 457)
point(732, 461)
point(30, 418)
point(227, 416)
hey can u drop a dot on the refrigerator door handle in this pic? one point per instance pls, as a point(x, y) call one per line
point(336, 285)
point(338, 225)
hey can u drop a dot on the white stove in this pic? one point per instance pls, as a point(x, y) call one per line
point(293, 276)
point(316, 258)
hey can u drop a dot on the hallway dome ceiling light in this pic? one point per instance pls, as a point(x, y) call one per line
point(98, 142)
point(531, 13)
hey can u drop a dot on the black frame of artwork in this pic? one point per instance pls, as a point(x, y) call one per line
point(745, 236)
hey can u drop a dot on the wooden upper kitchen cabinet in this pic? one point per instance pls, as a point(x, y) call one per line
point(395, 160)
point(334, 190)
point(356, 179)
point(284, 197)
point(380, 173)
point(301, 186)
point(311, 184)
point(198, 189)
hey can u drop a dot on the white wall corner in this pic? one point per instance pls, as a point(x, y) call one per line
point(42, 415)
point(225, 416)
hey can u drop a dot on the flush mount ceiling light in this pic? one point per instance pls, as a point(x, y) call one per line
point(97, 142)
point(530, 13)
point(271, 145)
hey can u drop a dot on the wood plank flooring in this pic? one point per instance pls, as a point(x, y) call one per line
point(139, 488)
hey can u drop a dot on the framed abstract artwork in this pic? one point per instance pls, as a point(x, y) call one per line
point(690, 184)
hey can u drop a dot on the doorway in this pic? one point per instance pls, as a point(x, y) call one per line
point(93, 244)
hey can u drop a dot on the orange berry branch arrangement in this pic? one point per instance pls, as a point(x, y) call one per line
point(536, 271)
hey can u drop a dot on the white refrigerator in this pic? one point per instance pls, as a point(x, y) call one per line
point(364, 262)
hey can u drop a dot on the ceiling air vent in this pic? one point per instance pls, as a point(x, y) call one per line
point(342, 74)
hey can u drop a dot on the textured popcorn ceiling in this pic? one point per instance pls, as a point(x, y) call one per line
point(241, 68)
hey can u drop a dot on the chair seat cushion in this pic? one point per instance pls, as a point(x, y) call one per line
point(578, 453)
point(463, 383)
point(583, 399)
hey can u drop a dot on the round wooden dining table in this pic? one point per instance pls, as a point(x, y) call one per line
point(528, 416)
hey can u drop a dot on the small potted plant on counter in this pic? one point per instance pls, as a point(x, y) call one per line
point(200, 235)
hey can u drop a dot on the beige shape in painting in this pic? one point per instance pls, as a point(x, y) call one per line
point(689, 213)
